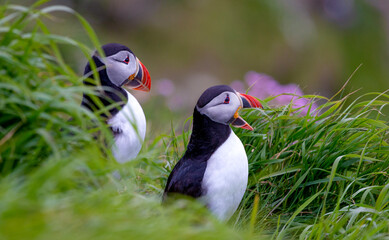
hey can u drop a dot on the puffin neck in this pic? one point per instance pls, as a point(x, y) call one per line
point(207, 135)
point(108, 95)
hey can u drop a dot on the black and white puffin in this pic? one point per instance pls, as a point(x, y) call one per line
point(214, 168)
point(120, 68)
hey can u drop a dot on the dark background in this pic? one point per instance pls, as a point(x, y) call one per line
point(191, 45)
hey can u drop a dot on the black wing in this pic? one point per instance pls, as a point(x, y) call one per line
point(186, 178)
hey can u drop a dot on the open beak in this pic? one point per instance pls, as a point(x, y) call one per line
point(247, 102)
point(140, 80)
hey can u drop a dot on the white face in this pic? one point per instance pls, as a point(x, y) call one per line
point(222, 108)
point(120, 66)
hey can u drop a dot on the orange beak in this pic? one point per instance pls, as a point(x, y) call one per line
point(141, 81)
point(247, 102)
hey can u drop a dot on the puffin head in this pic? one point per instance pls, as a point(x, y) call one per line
point(221, 104)
point(121, 67)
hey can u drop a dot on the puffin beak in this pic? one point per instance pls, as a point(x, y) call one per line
point(140, 80)
point(247, 102)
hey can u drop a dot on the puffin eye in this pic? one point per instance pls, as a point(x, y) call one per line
point(227, 100)
point(127, 60)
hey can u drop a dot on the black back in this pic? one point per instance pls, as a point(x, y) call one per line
point(186, 177)
point(111, 93)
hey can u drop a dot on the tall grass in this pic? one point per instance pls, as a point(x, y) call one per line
point(318, 176)
point(39, 94)
point(56, 169)
point(323, 175)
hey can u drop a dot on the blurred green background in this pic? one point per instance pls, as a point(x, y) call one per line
point(317, 176)
point(191, 45)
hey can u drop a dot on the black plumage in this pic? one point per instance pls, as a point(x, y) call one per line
point(214, 168)
point(110, 93)
point(207, 135)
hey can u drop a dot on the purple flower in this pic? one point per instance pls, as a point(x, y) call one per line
point(260, 85)
point(238, 86)
point(263, 86)
point(165, 87)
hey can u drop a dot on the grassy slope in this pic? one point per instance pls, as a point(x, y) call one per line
point(316, 177)
point(330, 169)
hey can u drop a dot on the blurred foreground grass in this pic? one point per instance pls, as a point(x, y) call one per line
point(318, 176)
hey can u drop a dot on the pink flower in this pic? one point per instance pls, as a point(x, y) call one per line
point(165, 87)
point(263, 86)
point(238, 86)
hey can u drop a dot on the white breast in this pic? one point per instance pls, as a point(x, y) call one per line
point(130, 122)
point(225, 178)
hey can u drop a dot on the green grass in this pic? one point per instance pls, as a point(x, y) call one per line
point(322, 175)
point(319, 176)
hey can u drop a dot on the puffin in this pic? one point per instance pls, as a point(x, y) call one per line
point(117, 70)
point(214, 167)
